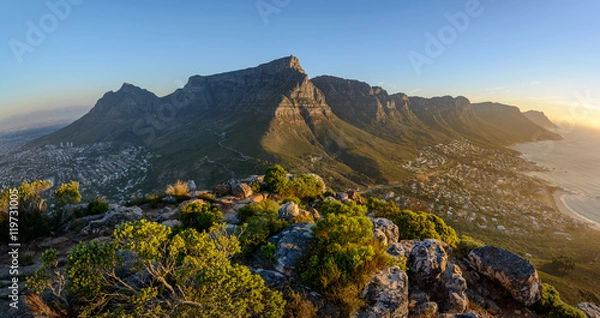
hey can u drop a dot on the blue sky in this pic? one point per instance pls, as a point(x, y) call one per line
point(533, 54)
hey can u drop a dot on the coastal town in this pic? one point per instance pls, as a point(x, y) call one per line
point(482, 188)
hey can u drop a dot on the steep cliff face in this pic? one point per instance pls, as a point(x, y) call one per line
point(374, 110)
point(237, 122)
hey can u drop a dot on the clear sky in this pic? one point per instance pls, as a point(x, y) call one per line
point(532, 54)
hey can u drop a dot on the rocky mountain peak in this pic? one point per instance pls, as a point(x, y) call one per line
point(289, 62)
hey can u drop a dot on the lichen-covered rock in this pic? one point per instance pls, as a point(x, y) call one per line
point(385, 231)
point(452, 289)
point(402, 248)
point(589, 309)
point(113, 217)
point(511, 271)
point(289, 211)
point(291, 244)
point(242, 190)
point(427, 260)
point(386, 295)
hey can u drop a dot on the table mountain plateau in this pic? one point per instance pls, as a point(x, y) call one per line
point(238, 122)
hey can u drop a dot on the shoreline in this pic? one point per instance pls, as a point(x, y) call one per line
point(561, 205)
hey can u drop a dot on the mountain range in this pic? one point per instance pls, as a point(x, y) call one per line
point(237, 123)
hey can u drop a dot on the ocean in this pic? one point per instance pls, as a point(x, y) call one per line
point(574, 165)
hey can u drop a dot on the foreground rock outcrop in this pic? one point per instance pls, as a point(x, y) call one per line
point(114, 216)
point(511, 271)
point(427, 261)
point(589, 309)
point(386, 294)
point(291, 245)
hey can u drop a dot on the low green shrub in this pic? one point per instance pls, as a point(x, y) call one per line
point(199, 215)
point(551, 305)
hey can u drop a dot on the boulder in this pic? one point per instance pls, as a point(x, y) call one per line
point(171, 223)
point(169, 200)
point(385, 231)
point(386, 295)
point(427, 260)
point(232, 183)
point(166, 214)
point(589, 309)
point(291, 244)
point(510, 270)
point(402, 248)
point(452, 290)
point(192, 186)
point(113, 217)
point(289, 211)
point(242, 191)
point(221, 190)
point(342, 196)
point(272, 279)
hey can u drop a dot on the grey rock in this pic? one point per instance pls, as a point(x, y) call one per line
point(192, 185)
point(427, 260)
point(169, 200)
point(113, 217)
point(402, 248)
point(342, 196)
point(385, 231)
point(242, 190)
point(452, 289)
point(171, 223)
point(386, 294)
point(272, 279)
point(591, 310)
point(291, 244)
point(511, 271)
point(166, 214)
point(289, 211)
point(232, 183)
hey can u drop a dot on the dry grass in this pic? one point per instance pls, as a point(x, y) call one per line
point(40, 309)
point(179, 189)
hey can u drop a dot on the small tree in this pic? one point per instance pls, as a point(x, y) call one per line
point(275, 177)
point(189, 274)
point(67, 193)
point(199, 215)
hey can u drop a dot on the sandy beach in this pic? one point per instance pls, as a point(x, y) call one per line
point(559, 198)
